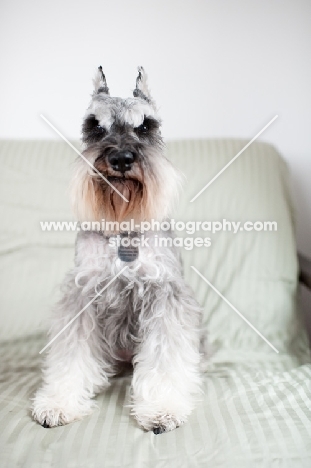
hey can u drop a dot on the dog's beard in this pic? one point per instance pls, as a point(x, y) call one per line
point(150, 190)
point(116, 207)
point(120, 196)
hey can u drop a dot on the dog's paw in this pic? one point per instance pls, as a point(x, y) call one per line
point(166, 423)
point(160, 423)
point(50, 414)
point(52, 417)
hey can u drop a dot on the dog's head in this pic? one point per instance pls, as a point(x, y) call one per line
point(124, 173)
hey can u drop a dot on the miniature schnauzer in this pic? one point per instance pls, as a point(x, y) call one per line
point(147, 315)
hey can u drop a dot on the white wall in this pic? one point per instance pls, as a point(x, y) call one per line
point(216, 67)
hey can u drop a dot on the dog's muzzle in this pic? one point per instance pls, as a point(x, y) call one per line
point(122, 161)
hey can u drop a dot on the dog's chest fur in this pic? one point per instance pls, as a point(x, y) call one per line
point(127, 307)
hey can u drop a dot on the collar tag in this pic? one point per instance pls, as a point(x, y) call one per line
point(128, 253)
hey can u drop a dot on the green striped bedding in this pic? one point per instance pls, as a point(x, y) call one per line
point(256, 408)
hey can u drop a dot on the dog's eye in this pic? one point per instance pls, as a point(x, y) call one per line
point(147, 126)
point(143, 128)
point(100, 129)
point(91, 130)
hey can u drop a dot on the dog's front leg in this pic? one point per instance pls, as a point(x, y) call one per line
point(74, 369)
point(166, 381)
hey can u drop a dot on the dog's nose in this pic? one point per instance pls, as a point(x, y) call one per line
point(121, 161)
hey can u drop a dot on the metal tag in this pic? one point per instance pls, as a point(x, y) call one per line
point(128, 253)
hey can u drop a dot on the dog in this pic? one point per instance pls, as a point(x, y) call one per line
point(145, 313)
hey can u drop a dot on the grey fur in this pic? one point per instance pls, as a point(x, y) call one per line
point(104, 88)
point(148, 315)
point(140, 91)
point(124, 314)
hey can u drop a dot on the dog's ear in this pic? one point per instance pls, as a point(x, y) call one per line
point(100, 83)
point(142, 89)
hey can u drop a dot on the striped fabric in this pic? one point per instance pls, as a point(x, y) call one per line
point(259, 418)
point(256, 410)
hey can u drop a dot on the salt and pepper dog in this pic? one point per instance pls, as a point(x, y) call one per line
point(145, 313)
